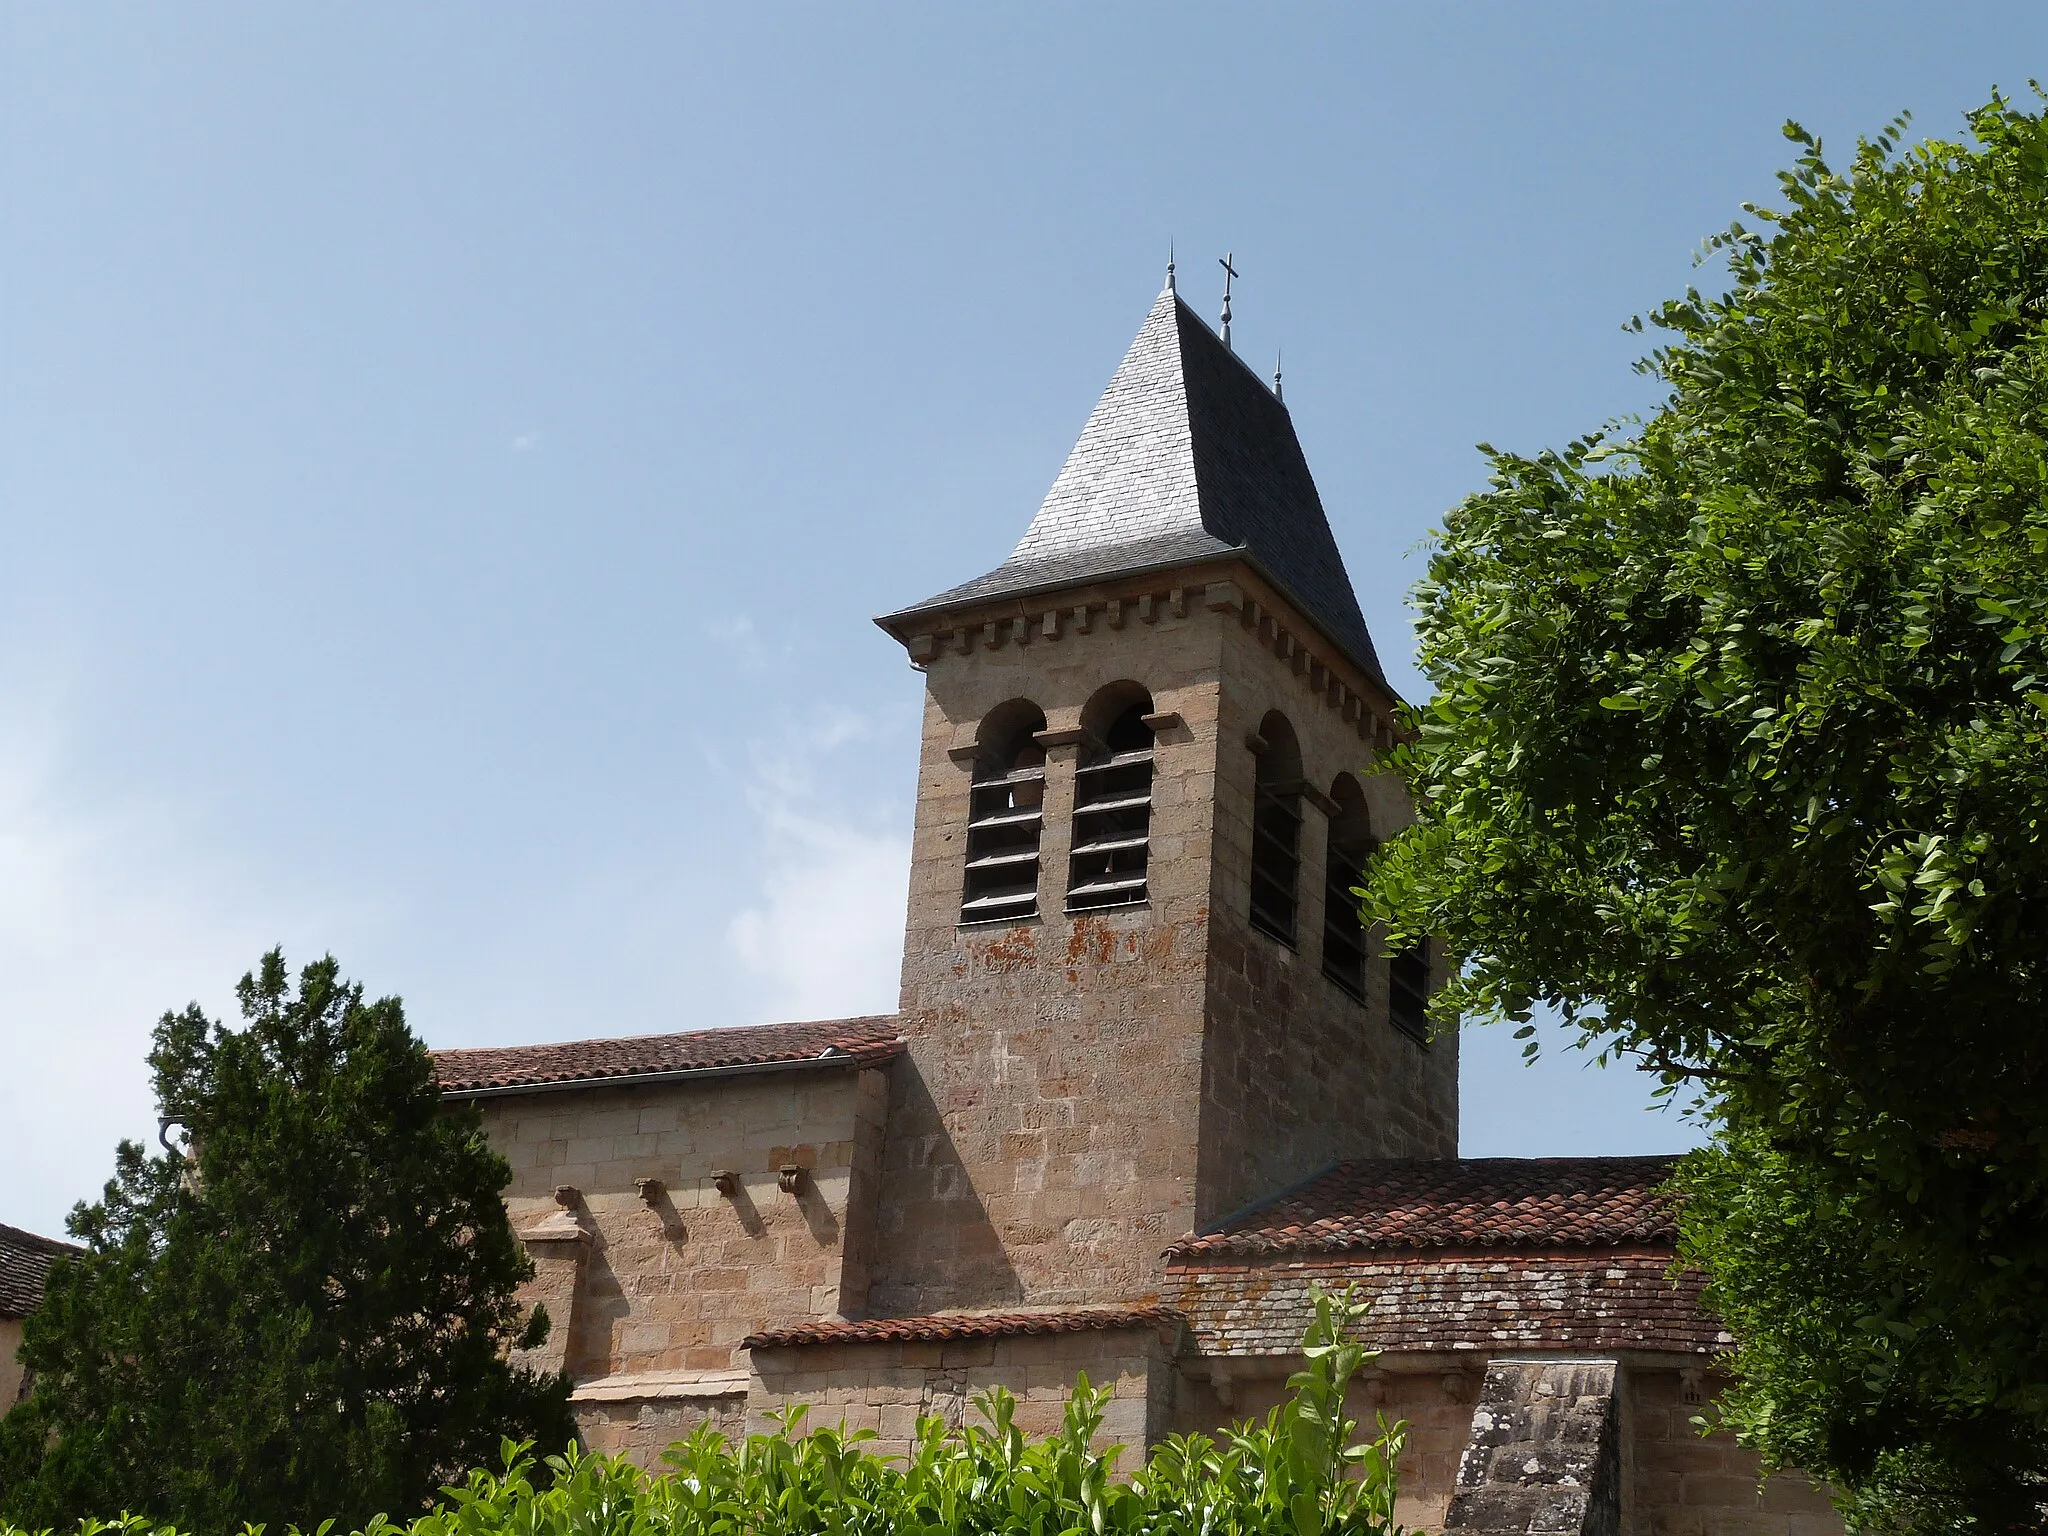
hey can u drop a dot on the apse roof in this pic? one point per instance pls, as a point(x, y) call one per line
point(1453, 1202)
point(1188, 455)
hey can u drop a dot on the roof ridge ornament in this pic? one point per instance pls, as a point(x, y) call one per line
point(1229, 273)
point(1169, 268)
point(1278, 393)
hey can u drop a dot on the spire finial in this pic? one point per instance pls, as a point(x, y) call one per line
point(1278, 393)
point(1169, 268)
point(1229, 273)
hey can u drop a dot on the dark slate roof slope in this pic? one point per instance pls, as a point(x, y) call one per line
point(24, 1266)
point(1188, 455)
point(1461, 1202)
point(504, 1069)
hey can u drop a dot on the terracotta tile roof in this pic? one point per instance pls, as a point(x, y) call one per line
point(1432, 1303)
point(24, 1265)
point(959, 1325)
point(508, 1069)
point(1463, 1202)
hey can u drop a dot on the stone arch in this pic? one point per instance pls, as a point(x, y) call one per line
point(1005, 815)
point(1276, 828)
point(1112, 834)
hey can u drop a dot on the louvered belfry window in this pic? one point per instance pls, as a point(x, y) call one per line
point(1006, 813)
point(1113, 816)
point(1408, 991)
point(1276, 829)
point(1350, 845)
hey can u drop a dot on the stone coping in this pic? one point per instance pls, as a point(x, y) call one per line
point(639, 1386)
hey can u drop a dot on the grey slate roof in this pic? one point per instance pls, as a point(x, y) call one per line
point(24, 1265)
point(1188, 455)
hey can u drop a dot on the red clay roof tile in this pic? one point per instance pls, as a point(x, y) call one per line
point(959, 1325)
point(24, 1266)
point(1464, 1202)
point(503, 1069)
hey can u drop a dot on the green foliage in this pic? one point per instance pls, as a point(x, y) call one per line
point(306, 1310)
point(1738, 757)
point(1300, 1473)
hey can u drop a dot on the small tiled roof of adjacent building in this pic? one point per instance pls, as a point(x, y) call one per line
point(1188, 455)
point(507, 1069)
point(24, 1267)
point(943, 1327)
point(1461, 1203)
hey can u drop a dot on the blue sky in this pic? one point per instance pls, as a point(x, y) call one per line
point(449, 456)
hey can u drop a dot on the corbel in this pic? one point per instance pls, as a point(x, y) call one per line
point(1221, 1382)
point(1165, 720)
point(1116, 611)
point(1148, 609)
point(1020, 631)
point(963, 640)
point(991, 635)
point(1692, 1385)
point(922, 648)
point(1458, 1386)
point(567, 1196)
point(650, 1190)
point(1081, 617)
point(1318, 799)
point(725, 1181)
point(1177, 600)
point(1072, 736)
point(1049, 626)
point(1318, 675)
point(1375, 1384)
point(790, 1177)
point(1223, 596)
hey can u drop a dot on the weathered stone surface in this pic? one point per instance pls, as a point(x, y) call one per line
point(1544, 1453)
point(1084, 1088)
point(673, 1273)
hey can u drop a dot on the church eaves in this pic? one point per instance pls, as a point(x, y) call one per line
point(1188, 456)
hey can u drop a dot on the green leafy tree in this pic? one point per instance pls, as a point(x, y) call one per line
point(303, 1313)
point(1738, 757)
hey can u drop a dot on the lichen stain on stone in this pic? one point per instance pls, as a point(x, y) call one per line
point(1013, 951)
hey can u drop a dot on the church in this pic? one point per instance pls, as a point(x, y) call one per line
point(1149, 1080)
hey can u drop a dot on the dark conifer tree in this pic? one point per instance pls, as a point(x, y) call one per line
point(302, 1312)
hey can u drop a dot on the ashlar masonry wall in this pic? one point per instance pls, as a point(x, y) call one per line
point(1042, 1137)
point(887, 1386)
point(1298, 1073)
point(652, 1273)
point(12, 1372)
point(1084, 1088)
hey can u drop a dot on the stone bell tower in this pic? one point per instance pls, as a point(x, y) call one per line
point(1136, 994)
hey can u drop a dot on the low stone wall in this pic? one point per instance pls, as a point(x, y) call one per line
point(1680, 1483)
point(11, 1373)
point(887, 1386)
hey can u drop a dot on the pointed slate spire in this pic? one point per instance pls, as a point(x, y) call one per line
point(1188, 455)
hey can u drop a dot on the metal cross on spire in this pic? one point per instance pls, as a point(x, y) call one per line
point(1229, 273)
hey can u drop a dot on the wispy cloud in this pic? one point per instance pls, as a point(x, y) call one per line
point(823, 936)
point(109, 915)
